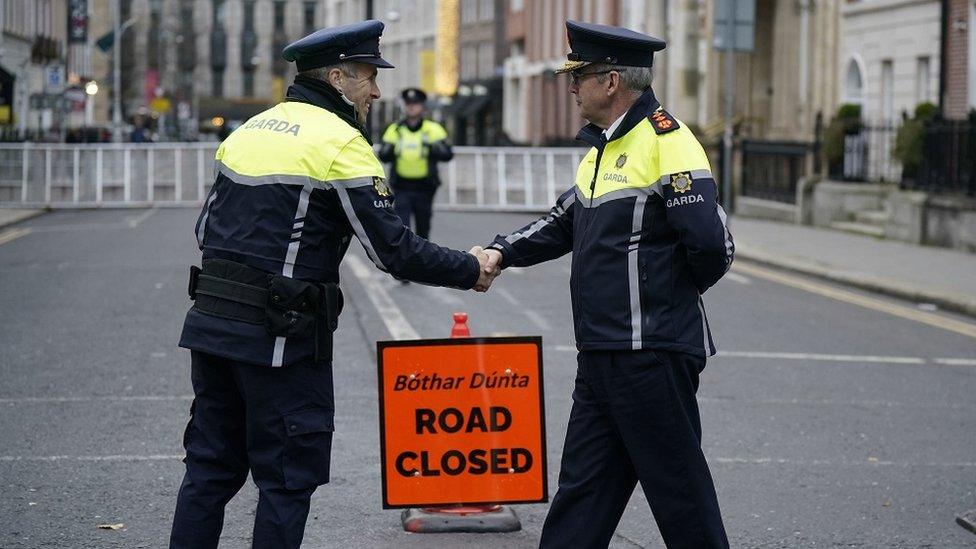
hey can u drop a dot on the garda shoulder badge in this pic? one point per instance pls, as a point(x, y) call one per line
point(681, 182)
point(381, 187)
point(663, 122)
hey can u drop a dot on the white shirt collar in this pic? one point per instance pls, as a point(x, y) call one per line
point(607, 133)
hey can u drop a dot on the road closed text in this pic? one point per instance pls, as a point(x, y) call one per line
point(495, 461)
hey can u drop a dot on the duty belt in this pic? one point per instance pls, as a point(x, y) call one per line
point(285, 306)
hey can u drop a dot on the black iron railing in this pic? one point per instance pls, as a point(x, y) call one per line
point(948, 159)
point(770, 169)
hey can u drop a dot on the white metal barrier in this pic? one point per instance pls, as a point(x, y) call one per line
point(180, 174)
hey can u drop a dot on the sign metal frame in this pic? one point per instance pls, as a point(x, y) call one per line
point(381, 346)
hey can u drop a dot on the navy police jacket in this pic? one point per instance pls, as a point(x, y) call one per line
point(294, 184)
point(646, 233)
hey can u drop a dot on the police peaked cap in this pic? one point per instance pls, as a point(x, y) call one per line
point(358, 42)
point(413, 95)
point(593, 43)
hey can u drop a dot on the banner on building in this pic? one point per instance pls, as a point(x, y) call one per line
point(462, 421)
point(77, 21)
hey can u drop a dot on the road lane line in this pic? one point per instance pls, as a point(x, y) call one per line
point(136, 221)
point(541, 323)
point(832, 463)
point(13, 234)
point(106, 398)
point(119, 457)
point(949, 324)
point(396, 323)
point(817, 356)
point(956, 361)
point(719, 460)
point(836, 403)
point(823, 357)
point(735, 277)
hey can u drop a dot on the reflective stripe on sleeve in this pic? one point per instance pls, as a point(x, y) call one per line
point(357, 225)
point(633, 271)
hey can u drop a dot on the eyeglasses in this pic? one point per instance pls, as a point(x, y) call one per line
point(576, 77)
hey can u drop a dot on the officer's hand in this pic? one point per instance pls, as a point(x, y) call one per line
point(494, 260)
point(487, 272)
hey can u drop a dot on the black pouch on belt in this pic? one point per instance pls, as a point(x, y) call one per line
point(291, 307)
point(327, 320)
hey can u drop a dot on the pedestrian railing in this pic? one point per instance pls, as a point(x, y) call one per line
point(180, 174)
point(771, 169)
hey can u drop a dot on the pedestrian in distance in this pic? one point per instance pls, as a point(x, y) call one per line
point(414, 146)
point(648, 239)
point(293, 185)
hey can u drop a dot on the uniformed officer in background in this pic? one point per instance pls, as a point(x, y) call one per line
point(414, 146)
point(293, 185)
point(647, 238)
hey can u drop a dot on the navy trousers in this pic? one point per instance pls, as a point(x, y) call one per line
point(276, 423)
point(418, 203)
point(634, 419)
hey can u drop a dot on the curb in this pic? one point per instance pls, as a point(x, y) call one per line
point(10, 216)
point(864, 281)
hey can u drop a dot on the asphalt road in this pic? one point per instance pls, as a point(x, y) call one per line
point(829, 420)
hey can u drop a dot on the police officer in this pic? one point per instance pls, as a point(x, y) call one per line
point(414, 146)
point(294, 184)
point(647, 238)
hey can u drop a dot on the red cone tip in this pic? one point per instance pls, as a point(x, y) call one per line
point(460, 328)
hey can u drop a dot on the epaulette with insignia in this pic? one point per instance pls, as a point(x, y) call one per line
point(663, 122)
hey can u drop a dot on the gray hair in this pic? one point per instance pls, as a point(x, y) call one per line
point(348, 68)
point(636, 79)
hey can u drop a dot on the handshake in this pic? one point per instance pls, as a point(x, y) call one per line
point(490, 260)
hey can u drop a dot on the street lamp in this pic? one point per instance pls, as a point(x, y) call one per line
point(91, 88)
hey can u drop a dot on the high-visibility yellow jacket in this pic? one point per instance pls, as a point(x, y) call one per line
point(293, 185)
point(646, 233)
point(414, 153)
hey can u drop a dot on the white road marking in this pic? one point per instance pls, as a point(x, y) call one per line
point(719, 460)
point(832, 463)
point(136, 221)
point(119, 457)
point(909, 313)
point(735, 277)
point(541, 323)
point(822, 357)
point(106, 398)
point(12, 234)
point(396, 323)
point(955, 361)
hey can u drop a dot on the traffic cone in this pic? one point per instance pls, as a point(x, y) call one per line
point(460, 518)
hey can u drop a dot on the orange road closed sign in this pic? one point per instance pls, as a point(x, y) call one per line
point(462, 421)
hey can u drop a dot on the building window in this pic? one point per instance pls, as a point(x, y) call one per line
point(218, 83)
point(279, 15)
point(308, 12)
point(516, 6)
point(220, 13)
point(486, 62)
point(487, 9)
point(923, 91)
point(469, 11)
point(853, 83)
point(248, 83)
point(887, 90)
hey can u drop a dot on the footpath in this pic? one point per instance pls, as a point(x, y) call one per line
point(937, 276)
